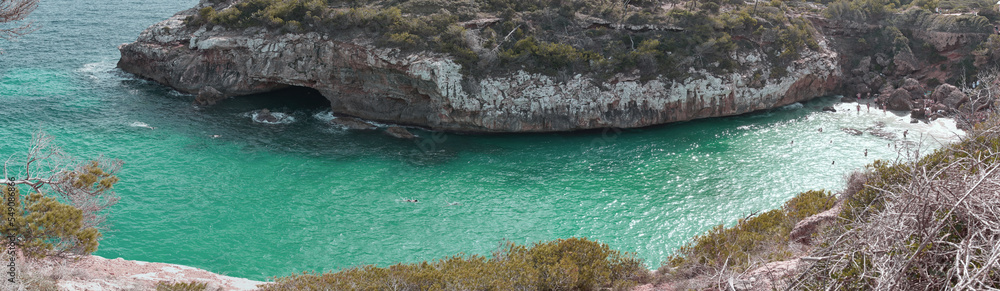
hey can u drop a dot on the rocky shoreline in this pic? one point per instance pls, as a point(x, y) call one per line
point(428, 90)
point(99, 273)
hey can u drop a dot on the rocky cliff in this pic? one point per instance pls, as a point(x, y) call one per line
point(428, 90)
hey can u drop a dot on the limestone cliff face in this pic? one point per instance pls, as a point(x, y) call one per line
point(428, 90)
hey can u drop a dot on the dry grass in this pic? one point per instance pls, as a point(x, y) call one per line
point(936, 227)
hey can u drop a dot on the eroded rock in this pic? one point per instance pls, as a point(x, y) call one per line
point(429, 90)
point(399, 132)
point(899, 100)
point(352, 123)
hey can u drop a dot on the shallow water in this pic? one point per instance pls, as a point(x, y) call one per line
point(211, 188)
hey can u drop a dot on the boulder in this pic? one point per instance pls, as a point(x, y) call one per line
point(399, 132)
point(918, 113)
point(942, 92)
point(939, 108)
point(899, 100)
point(912, 85)
point(851, 131)
point(905, 63)
point(352, 123)
point(829, 109)
point(948, 95)
point(264, 116)
point(955, 99)
point(208, 95)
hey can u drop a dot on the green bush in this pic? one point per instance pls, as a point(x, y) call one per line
point(46, 226)
point(180, 286)
point(761, 236)
point(570, 264)
point(555, 38)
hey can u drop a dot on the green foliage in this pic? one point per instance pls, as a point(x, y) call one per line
point(550, 56)
point(918, 19)
point(556, 38)
point(869, 200)
point(988, 53)
point(44, 226)
point(990, 13)
point(180, 286)
point(570, 264)
point(764, 235)
point(808, 203)
point(272, 13)
point(859, 10)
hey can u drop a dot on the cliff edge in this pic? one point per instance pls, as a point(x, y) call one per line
point(430, 89)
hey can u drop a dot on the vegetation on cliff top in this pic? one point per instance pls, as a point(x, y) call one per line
point(559, 38)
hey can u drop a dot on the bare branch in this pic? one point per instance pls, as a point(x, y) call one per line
point(15, 11)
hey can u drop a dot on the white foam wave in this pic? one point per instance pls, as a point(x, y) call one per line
point(941, 130)
point(280, 118)
point(325, 116)
point(141, 124)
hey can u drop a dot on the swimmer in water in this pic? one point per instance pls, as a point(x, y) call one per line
point(866, 153)
point(216, 136)
point(410, 200)
point(820, 129)
point(904, 133)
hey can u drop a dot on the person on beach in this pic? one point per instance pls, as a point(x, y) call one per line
point(869, 107)
point(904, 133)
point(859, 108)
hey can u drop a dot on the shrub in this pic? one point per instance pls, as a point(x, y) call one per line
point(44, 226)
point(760, 237)
point(180, 286)
point(934, 227)
point(570, 264)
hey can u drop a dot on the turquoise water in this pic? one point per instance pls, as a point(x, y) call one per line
point(271, 200)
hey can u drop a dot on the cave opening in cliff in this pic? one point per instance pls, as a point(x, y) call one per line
point(288, 98)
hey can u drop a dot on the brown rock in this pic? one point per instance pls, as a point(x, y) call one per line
point(905, 63)
point(265, 116)
point(948, 95)
point(918, 113)
point(208, 95)
point(427, 89)
point(851, 131)
point(803, 230)
point(939, 108)
point(899, 100)
point(942, 91)
point(399, 132)
point(955, 99)
point(352, 123)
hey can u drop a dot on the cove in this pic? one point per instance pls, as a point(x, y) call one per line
point(272, 200)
